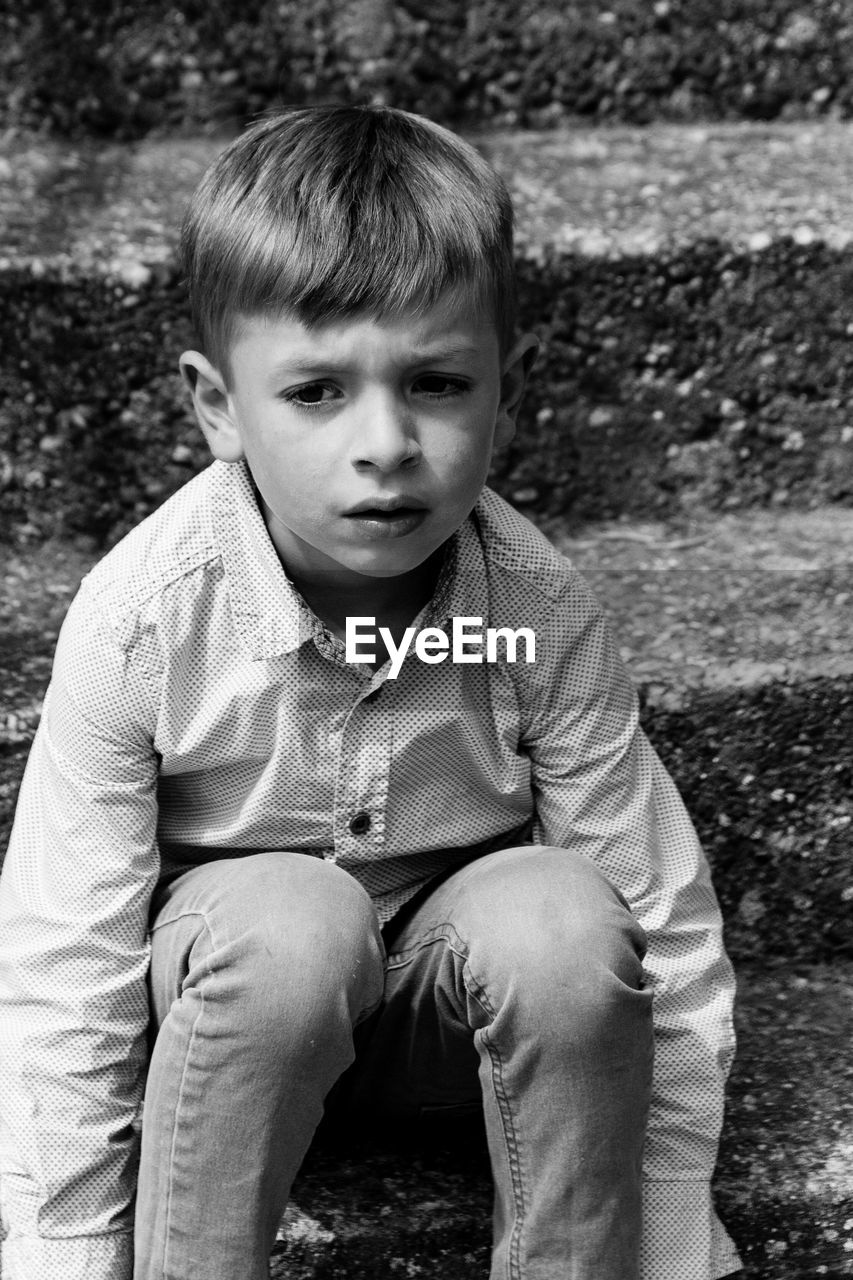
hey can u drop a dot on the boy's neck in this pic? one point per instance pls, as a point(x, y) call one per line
point(393, 602)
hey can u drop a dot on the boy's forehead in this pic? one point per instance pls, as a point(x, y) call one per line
point(454, 326)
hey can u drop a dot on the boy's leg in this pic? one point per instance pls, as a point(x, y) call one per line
point(260, 968)
point(525, 969)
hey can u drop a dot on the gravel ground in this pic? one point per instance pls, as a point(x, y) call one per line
point(609, 191)
point(625, 191)
point(732, 602)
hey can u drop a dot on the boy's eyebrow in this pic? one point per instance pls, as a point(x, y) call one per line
point(310, 366)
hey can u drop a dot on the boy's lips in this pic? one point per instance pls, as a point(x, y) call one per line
point(386, 505)
point(388, 517)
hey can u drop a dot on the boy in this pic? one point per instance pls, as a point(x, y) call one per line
point(270, 815)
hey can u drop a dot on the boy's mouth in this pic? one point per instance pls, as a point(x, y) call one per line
point(388, 517)
point(387, 505)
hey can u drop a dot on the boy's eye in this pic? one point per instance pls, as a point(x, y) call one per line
point(438, 384)
point(313, 393)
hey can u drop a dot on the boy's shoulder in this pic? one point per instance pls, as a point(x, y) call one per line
point(515, 548)
point(202, 564)
point(173, 542)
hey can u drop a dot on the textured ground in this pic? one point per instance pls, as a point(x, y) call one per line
point(594, 191)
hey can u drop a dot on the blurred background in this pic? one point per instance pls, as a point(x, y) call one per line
point(682, 173)
point(121, 69)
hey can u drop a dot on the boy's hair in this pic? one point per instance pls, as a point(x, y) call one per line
point(325, 212)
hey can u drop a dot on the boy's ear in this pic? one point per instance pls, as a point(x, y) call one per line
point(212, 405)
point(514, 372)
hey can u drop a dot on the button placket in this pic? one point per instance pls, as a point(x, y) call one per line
point(362, 789)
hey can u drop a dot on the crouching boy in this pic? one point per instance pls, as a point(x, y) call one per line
point(249, 856)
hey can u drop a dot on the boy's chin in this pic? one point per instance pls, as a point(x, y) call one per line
point(393, 566)
point(371, 572)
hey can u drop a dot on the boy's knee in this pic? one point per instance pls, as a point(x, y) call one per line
point(278, 936)
point(294, 903)
point(548, 922)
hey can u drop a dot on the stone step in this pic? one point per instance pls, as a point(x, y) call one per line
point(737, 628)
point(666, 385)
point(123, 73)
point(690, 286)
point(614, 191)
point(738, 633)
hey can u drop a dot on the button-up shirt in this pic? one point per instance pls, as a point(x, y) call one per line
point(198, 707)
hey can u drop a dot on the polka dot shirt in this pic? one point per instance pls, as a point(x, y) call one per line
point(198, 707)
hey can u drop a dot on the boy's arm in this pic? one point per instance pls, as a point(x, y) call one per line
point(74, 900)
point(602, 791)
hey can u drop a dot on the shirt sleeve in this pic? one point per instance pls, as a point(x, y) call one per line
point(601, 790)
point(74, 901)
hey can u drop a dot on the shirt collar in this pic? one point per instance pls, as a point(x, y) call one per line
point(461, 589)
point(270, 615)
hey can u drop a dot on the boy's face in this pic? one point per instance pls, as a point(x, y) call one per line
point(369, 439)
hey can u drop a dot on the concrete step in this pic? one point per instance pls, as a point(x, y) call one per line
point(737, 629)
point(611, 191)
point(690, 287)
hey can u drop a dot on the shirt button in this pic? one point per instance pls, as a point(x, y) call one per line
point(359, 824)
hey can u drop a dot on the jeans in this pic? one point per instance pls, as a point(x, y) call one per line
point(516, 980)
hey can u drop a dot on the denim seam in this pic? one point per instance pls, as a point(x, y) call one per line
point(362, 1017)
point(477, 992)
point(182, 915)
point(178, 1104)
point(437, 933)
point(447, 934)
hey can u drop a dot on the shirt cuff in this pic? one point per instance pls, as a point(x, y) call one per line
point(683, 1239)
point(103, 1257)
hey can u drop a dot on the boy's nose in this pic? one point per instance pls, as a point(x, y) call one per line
point(385, 436)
